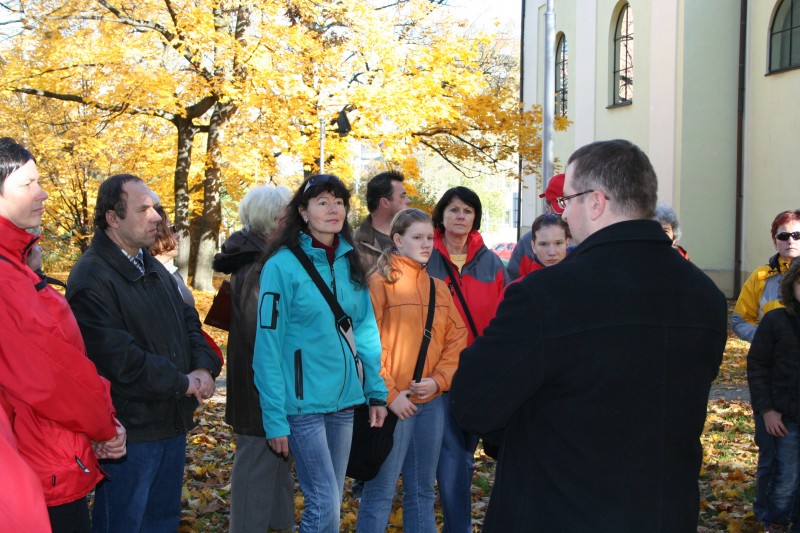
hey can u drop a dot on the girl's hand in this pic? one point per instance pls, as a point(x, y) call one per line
point(426, 388)
point(774, 422)
point(402, 406)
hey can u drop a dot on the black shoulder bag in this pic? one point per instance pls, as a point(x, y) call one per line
point(371, 446)
point(343, 322)
point(491, 448)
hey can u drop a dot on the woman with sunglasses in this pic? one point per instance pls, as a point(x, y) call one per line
point(759, 295)
point(305, 371)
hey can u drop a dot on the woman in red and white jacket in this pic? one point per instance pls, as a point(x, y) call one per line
point(59, 407)
point(465, 264)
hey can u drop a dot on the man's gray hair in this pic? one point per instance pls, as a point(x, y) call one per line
point(622, 171)
point(261, 207)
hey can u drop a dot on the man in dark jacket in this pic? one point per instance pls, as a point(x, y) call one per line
point(148, 343)
point(386, 196)
point(599, 368)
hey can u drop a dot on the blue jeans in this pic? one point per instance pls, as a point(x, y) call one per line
point(766, 460)
point(785, 476)
point(320, 445)
point(454, 473)
point(415, 453)
point(143, 489)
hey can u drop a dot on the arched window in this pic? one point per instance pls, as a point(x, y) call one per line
point(784, 46)
point(562, 76)
point(623, 57)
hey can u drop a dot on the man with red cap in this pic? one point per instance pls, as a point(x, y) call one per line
point(523, 251)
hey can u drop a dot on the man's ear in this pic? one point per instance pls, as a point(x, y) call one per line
point(112, 219)
point(383, 202)
point(598, 204)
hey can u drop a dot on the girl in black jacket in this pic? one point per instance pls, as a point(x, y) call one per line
point(773, 373)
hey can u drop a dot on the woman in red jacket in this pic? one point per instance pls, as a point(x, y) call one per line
point(477, 275)
point(59, 407)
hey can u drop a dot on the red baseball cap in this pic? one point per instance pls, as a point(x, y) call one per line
point(554, 190)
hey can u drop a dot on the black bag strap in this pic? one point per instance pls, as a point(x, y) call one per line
point(342, 320)
point(464, 305)
point(38, 286)
point(426, 335)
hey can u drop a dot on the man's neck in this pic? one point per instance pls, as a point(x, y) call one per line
point(111, 234)
point(382, 222)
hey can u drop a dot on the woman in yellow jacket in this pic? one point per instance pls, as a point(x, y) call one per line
point(400, 291)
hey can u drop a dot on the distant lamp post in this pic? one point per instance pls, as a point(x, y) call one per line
point(342, 128)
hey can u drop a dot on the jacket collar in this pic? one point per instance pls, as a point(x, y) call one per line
point(112, 254)
point(15, 243)
point(474, 244)
point(626, 231)
point(318, 253)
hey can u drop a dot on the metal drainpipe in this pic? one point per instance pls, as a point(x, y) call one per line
point(737, 245)
point(521, 99)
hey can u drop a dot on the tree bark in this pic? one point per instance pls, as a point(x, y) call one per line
point(186, 133)
point(210, 222)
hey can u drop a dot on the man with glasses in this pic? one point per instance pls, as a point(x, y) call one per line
point(598, 369)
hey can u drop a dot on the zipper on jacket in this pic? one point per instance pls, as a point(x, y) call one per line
point(298, 374)
point(342, 343)
point(81, 465)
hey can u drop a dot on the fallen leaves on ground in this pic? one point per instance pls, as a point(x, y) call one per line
point(727, 479)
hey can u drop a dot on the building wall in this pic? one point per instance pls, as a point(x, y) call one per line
point(684, 114)
point(772, 139)
point(705, 186)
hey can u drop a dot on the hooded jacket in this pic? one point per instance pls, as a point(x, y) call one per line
point(241, 258)
point(54, 398)
point(142, 336)
point(482, 279)
point(759, 295)
point(401, 310)
point(302, 364)
point(773, 365)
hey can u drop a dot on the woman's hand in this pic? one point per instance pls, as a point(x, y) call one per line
point(426, 388)
point(402, 406)
point(377, 414)
point(279, 445)
point(774, 422)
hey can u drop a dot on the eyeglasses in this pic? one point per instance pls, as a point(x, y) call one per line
point(320, 179)
point(562, 201)
point(784, 235)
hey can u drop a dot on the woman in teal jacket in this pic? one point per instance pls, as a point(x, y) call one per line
point(305, 372)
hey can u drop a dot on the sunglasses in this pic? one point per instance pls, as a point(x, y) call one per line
point(320, 179)
point(784, 235)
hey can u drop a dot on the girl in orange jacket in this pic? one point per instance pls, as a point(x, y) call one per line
point(400, 292)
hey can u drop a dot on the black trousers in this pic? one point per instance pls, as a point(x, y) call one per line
point(72, 517)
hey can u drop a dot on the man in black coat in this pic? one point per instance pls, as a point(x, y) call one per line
point(147, 342)
point(598, 369)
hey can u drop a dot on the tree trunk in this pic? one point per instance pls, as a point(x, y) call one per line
point(186, 133)
point(208, 232)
